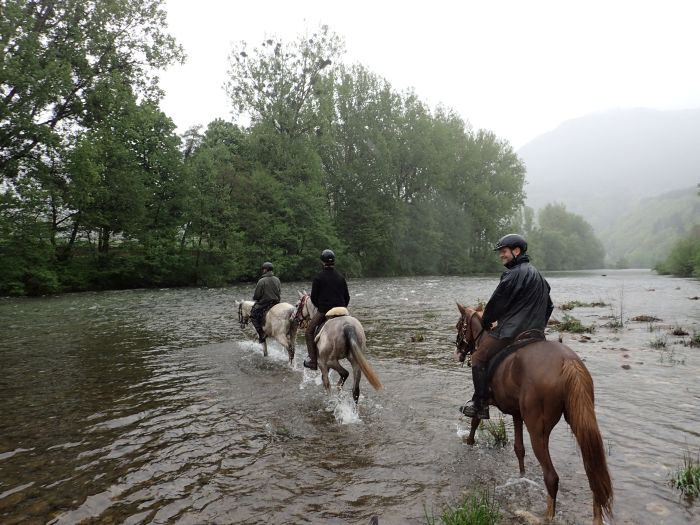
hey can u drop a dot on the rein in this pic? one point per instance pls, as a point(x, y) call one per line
point(298, 316)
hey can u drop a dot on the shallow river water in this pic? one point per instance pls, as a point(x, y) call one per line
point(153, 406)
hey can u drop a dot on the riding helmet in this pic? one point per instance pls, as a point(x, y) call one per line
point(267, 266)
point(328, 257)
point(512, 240)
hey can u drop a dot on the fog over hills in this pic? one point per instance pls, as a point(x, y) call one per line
point(601, 166)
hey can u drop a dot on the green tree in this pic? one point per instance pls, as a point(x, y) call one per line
point(684, 259)
point(565, 241)
point(283, 84)
point(285, 89)
point(59, 62)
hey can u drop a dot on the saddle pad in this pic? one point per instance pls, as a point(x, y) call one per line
point(338, 311)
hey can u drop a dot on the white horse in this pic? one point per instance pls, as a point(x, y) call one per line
point(278, 325)
point(341, 337)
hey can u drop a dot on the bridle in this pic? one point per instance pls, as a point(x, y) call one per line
point(298, 316)
point(466, 342)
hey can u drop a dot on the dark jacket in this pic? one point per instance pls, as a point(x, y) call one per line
point(268, 290)
point(329, 289)
point(520, 302)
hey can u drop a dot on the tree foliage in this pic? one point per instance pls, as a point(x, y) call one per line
point(564, 241)
point(61, 64)
point(99, 191)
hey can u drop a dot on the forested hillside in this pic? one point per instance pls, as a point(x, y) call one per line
point(645, 236)
point(602, 165)
point(99, 192)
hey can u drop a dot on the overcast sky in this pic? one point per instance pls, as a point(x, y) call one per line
point(517, 68)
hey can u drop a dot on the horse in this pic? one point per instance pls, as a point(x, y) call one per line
point(278, 325)
point(341, 337)
point(537, 384)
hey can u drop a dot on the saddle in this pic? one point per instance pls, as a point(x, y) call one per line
point(523, 339)
point(338, 311)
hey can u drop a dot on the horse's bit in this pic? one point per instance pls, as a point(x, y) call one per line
point(465, 338)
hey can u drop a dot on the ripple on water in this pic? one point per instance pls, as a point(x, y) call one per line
point(153, 406)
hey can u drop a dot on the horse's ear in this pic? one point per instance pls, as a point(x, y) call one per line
point(300, 294)
point(479, 308)
point(462, 309)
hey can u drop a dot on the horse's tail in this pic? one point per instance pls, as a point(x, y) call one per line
point(354, 347)
point(580, 414)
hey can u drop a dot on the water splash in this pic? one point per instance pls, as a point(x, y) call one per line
point(344, 409)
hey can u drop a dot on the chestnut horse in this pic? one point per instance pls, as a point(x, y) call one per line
point(341, 337)
point(538, 384)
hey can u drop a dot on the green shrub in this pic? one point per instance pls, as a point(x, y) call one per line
point(574, 304)
point(571, 324)
point(687, 478)
point(497, 430)
point(477, 509)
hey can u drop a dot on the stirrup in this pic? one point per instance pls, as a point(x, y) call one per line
point(310, 364)
point(470, 410)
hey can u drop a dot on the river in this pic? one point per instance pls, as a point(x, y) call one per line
point(154, 406)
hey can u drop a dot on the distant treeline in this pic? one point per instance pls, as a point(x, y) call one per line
point(684, 258)
point(98, 192)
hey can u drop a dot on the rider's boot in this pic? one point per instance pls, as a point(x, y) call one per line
point(313, 356)
point(478, 406)
point(261, 335)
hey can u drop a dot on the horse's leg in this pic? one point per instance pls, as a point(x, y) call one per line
point(324, 376)
point(335, 365)
point(539, 439)
point(264, 345)
point(284, 340)
point(292, 346)
point(519, 447)
point(472, 430)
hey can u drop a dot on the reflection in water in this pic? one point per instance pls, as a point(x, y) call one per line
point(154, 407)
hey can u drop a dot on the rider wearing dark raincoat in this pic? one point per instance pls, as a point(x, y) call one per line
point(267, 294)
point(521, 302)
point(328, 290)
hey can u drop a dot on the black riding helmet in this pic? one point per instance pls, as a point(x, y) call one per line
point(328, 257)
point(267, 266)
point(512, 240)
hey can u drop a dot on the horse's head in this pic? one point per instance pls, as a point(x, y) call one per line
point(244, 308)
point(469, 330)
point(302, 313)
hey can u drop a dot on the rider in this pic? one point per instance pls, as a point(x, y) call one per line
point(329, 289)
point(520, 302)
point(266, 295)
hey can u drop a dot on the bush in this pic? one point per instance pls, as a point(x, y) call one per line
point(571, 324)
point(684, 259)
point(687, 478)
point(478, 509)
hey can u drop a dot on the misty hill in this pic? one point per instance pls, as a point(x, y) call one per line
point(645, 235)
point(600, 166)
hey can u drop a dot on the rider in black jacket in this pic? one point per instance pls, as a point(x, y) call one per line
point(329, 289)
point(520, 302)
